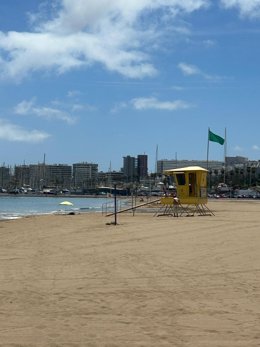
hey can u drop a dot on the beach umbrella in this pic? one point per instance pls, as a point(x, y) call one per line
point(66, 203)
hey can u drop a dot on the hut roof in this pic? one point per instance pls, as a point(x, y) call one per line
point(185, 169)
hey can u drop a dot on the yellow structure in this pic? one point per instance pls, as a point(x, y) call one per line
point(191, 185)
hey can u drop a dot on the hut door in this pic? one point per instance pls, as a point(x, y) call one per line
point(192, 184)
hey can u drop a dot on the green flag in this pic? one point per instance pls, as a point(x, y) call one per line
point(216, 138)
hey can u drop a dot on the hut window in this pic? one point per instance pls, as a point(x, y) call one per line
point(181, 179)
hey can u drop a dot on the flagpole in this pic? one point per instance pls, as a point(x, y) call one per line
point(208, 151)
point(225, 154)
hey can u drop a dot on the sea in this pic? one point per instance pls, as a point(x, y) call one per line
point(18, 206)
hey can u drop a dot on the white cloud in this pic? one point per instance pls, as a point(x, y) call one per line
point(76, 15)
point(113, 33)
point(14, 133)
point(153, 103)
point(192, 70)
point(256, 148)
point(28, 108)
point(249, 8)
point(189, 70)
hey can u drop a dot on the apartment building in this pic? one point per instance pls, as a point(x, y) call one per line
point(166, 164)
point(85, 175)
point(58, 175)
point(142, 166)
point(4, 176)
point(130, 168)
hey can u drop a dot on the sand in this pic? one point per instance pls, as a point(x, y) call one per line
point(72, 280)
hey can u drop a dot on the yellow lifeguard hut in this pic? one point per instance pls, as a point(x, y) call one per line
point(191, 187)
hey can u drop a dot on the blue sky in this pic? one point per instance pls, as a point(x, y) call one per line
point(87, 80)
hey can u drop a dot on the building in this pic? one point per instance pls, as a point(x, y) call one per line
point(58, 175)
point(142, 166)
point(110, 178)
point(37, 176)
point(135, 168)
point(5, 176)
point(233, 161)
point(21, 175)
point(44, 175)
point(166, 164)
point(85, 175)
point(130, 168)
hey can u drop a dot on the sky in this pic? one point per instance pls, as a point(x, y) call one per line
point(94, 81)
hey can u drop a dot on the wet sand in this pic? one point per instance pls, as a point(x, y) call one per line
point(74, 281)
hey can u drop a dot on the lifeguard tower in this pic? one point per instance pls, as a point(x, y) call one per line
point(191, 197)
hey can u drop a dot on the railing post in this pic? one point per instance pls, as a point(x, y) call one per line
point(115, 204)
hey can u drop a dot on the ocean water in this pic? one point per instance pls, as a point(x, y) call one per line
point(13, 207)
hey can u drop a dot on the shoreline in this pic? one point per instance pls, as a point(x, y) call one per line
point(132, 210)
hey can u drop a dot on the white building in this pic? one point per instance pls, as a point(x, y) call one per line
point(166, 164)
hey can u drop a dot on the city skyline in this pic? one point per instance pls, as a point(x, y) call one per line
point(176, 162)
point(87, 176)
point(83, 81)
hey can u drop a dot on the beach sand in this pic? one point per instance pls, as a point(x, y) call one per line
point(73, 280)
